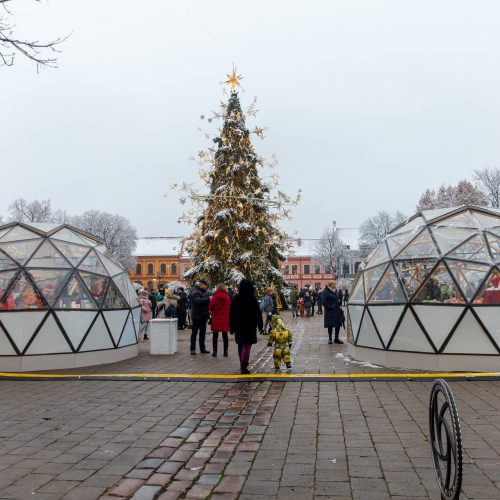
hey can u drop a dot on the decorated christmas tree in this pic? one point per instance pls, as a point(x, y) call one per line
point(236, 234)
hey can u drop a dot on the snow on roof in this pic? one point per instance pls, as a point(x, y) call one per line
point(159, 246)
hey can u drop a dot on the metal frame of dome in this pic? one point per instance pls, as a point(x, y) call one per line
point(433, 279)
point(62, 294)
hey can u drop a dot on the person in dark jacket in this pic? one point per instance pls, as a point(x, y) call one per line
point(182, 306)
point(318, 301)
point(244, 318)
point(346, 296)
point(333, 313)
point(307, 303)
point(219, 307)
point(341, 295)
point(200, 300)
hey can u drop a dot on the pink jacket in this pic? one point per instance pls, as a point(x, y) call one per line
point(146, 313)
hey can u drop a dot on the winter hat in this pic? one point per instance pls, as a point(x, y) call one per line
point(145, 293)
point(203, 282)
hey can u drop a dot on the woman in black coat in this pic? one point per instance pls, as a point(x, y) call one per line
point(333, 314)
point(244, 318)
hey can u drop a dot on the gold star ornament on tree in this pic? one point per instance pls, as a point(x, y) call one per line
point(233, 80)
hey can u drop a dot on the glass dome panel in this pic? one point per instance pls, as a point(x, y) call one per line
point(422, 247)
point(463, 219)
point(111, 267)
point(473, 249)
point(6, 278)
point(448, 238)
point(436, 213)
point(49, 282)
point(367, 336)
point(410, 337)
point(398, 241)
point(372, 277)
point(494, 244)
point(469, 276)
point(439, 287)
point(74, 253)
point(93, 264)
point(355, 313)
point(69, 236)
point(487, 221)
point(19, 233)
point(6, 262)
point(389, 289)
point(22, 295)
point(96, 285)
point(20, 251)
point(379, 255)
point(413, 225)
point(47, 256)
point(386, 318)
point(358, 292)
point(412, 273)
point(114, 299)
point(75, 296)
point(490, 291)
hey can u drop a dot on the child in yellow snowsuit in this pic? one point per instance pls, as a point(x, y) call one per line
point(281, 337)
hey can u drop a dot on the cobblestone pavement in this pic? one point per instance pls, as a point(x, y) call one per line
point(311, 354)
point(247, 440)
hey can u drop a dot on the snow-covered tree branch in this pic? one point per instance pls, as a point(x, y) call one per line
point(488, 181)
point(374, 229)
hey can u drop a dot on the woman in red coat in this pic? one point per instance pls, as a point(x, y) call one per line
point(219, 307)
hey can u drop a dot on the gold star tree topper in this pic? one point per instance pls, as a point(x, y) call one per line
point(233, 80)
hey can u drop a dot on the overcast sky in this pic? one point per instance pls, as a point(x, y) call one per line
point(367, 102)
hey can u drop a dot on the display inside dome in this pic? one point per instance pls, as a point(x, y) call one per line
point(433, 285)
point(62, 292)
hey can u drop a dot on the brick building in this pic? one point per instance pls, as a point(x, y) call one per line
point(164, 260)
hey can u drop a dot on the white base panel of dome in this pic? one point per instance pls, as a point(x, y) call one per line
point(423, 361)
point(66, 361)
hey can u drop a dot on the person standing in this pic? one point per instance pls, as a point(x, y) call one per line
point(200, 300)
point(346, 296)
point(219, 307)
point(152, 299)
point(182, 305)
point(314, 296)
point(294, 300)
point(341, 296)
point(267, 306)
point(307, 303)
point(318, 301)
point(146, 314)
point(244, 318)
point(333, 313)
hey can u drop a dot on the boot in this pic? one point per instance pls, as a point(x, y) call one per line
point(214, 346)
point(337, 340)
point(225, 341)
point(330, 338)
point(244, 369)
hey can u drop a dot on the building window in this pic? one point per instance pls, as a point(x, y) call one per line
point(328, 269)
point(294, 269)
point(150, 269)
point(138, 269)
point(317, 269)
point(307, 269)
point(173, 269)
point(317, 286)
point(345, 268)
point(286, 269)
point(163, 269)
point(150, 284)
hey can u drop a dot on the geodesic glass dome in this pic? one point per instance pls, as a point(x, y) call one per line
point(61, 292)
point(432, 286)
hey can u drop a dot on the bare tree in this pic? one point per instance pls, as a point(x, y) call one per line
point(330, 252)
point(488, 180)
point(464, 193)
point(119, 235)
point(42, 53)
point(374, 229)
point(35, 211)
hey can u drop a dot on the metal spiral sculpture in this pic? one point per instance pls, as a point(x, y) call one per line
point(446, 440)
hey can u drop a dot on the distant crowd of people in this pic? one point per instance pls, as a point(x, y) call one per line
point(237, 312)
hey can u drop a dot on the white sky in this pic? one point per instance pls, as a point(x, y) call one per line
point(367, 102)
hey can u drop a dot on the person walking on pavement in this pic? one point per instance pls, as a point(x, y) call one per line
point(333, 313)
point(146, 314)
point(200, 300)
point(244, 318)
point(219, 307)
point(307, 303)
point(294, 301)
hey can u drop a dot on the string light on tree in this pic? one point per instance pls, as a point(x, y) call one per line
point(235, 217)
